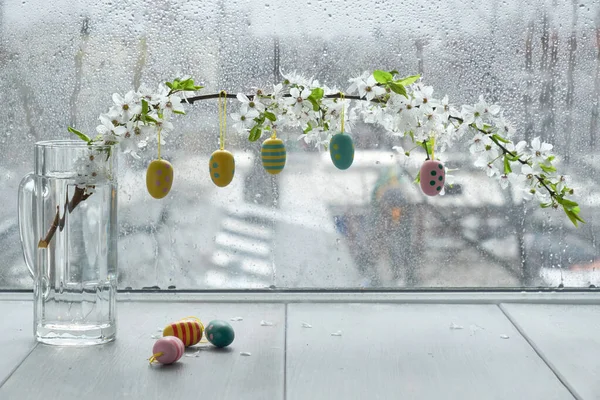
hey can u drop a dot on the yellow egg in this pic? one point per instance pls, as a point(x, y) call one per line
point(159, 178)
point(222, 167)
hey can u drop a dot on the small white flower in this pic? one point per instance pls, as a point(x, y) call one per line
point(277, 92)
point(106, 127)
point(540, 150)
point(479, 143)
point(293, 78)
point(470, 115)
point(488, 164)
point(424, 96)
point(171, 104)
point(533, 193)
point(92, 168)
point(244, 119)
point(505, 128)
point(251, 104)
point(298, 99)
point(370, 88)
point(356, 82)
point(443, 108)
point(563, 181)
point(486, 111)
point(127, 106)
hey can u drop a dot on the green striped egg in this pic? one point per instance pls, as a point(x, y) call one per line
point(341, 149)
point(273, 155)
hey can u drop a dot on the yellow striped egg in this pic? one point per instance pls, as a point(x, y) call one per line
point(189, 330)
point(273, 155)
point(159, 178)
point(222, 167)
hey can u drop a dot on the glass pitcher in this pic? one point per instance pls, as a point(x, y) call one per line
point(68, 227)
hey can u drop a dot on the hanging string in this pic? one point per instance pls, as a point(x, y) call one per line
point(342, 98)
point(159, 129)
point(274, 134)
point(222, 118)
point(432, 147)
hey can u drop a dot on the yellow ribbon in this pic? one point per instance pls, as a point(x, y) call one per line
point(222, 118)
point(343, 97)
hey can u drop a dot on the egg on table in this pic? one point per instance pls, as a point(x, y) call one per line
point(273, 155)
point(159, 178)
point(167, 350)
point(221, 167)
point(341, 149)
point(433, 177)
point(189, 330)
point(219, 333)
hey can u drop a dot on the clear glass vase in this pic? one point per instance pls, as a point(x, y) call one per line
point(68, 227)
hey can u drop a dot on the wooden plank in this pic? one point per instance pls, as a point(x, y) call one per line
point(568, 338)
point(409, 351)
point(120, 369)
point(16, 335)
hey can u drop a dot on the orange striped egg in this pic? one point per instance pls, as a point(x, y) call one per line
point(189, 330)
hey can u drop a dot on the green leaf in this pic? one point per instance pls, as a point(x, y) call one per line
point(81, 135)
point(147, 118)
point(507, 169)
point(398, 88)
point(418, 178)
point(178, 112)
point(572, 216)
point(394, 72)
point(409, 80)
point(546, 205)
point(314, 103)
point(255, 133)
point(169, 85)
point(382, 76)
point(547, 168)
point(317, 93)
point(308, 129)
point(145, 107)
point(270, 116)
point(500, 138)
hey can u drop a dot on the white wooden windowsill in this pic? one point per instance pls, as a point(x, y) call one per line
point(392, 346)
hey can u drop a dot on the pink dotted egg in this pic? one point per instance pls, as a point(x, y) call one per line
point(433, 176)
point(167, 350)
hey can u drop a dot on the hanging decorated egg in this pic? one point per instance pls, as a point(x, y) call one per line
point(222, 167)
point(189, 330)
point(341, 150)
point(273, 155)
point(433, 176)
point(219, 333)
point(159, 178)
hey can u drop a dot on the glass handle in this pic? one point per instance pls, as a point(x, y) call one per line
point(26, 199)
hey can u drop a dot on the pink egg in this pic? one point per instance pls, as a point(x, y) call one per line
point(433, 176)
point(170, 348)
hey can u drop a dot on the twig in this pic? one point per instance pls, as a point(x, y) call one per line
point(191, 100)
point(59, 223)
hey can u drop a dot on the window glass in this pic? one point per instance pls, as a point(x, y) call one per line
point(313, 226)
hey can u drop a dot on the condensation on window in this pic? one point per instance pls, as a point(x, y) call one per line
point(312, 226)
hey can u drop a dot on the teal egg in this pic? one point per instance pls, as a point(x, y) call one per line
point(219, 333)
point(341, 149)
